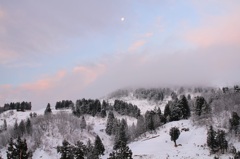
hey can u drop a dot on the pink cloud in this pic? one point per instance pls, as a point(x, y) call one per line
point(216, 30)
point(136, 45)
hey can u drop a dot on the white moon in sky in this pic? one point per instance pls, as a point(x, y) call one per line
point(122, 19)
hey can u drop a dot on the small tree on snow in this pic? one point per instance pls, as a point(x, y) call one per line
point(174, 133)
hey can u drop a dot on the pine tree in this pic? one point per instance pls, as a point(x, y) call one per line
point(11, 152)
point(234, 122)
point(121, 135)
point(211, 139)
point(199, 104)
point(141, 126)
point(123, 152)
point(79, 150)
point(66, 150)
point(48, 110)
point(29, 126)
point(167, 111)
point(22, 127)
point(15, 129)
point(98, 146)
point(221, 140)
point(83, 123)
point(110, 120)
point(5, 125)
point(174, 133)
point(183, 105)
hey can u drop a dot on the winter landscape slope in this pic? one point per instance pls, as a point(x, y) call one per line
point(150, 145)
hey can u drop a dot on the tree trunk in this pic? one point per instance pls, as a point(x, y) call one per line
point(175, 144)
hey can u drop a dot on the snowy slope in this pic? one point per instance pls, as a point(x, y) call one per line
point(159, 145)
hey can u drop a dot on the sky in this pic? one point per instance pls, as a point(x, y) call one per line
point(57, 50)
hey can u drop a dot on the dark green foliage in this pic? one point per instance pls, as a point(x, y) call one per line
point(98, 146)
point(17, 106)
point(11, 152)
point(150, 94)
point(121, 134)
point(48, 110)
point(124, 108)
point(149, 120)
point(29, 126)
point(79, 150)
point(4, 125)
point(103, 113)
point(22, 127)
point(234, 122)
point(167, 111)
point(201, 106)
point(211, 140)
point(123, 152)
point(174, 133)
point(64, 104)
point(83, 123)
point(66, 150)
point(18, 149)
point(183, 105)
point(110, 123)
point(221, 140)
point(90, 106)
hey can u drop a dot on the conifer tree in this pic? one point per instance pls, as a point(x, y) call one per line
point(11, 152)
point(174, 133)
point(48, 110)
point(66, 150)
point(123, 152)
point(109, 127)
point(5, 124)
point(22, 127)
point(29, 126)
point(83, 123)
point(211, 139)
point(79, 150)
point(98, 146)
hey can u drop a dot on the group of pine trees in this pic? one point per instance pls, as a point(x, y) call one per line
point(177, 109)
point(16, 106)
point(151, 94)
point(216, 140)
point(24, 127)
point(124, 108)
point(64, 104)
point(18, 149)
point(81, 151)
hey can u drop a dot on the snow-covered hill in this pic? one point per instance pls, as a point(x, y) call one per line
point(154, 145)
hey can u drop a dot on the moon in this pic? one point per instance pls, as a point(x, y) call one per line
point(122, 19)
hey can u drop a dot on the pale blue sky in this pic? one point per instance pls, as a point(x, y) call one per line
point(86, 41)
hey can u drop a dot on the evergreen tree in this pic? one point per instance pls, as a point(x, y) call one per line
point(149, 115)
point(110, 120)
point(83, 123)
point(103, 113)
point(123, 152)
point(79, 150)
point(66, 150)
point(211, 139)
point(221, 140)
point(199, 104)
point(11, 152)
point(141, 126)
point(22, 127)
point(5, 125)
point(48, 110)
point(15, 129)
point(29, 126)
point(174, 133)
point(234, 122)
point(18, 150)
point(183, 105)
point(98, 146)
point(121, 135)
point(167, 111)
